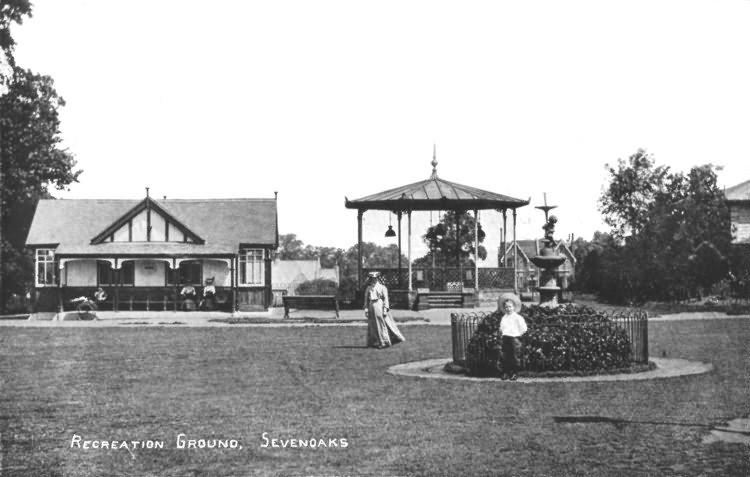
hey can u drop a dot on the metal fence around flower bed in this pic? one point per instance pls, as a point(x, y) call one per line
point(634, 324)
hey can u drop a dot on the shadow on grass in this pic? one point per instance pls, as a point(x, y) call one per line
point(242, 321)
point(621, 423)
point(307, 319)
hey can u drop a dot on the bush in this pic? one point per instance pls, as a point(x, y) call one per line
point(570, 338)
point(319, 286)
point(739, 307)
point(17, 304)
point(348, 288)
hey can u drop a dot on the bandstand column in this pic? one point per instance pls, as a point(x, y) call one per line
point(458, 251)
point(515, 255)
point(505, 234)
point(400, 285)
point(360, 212)
point(408, 246)
point(476, 250)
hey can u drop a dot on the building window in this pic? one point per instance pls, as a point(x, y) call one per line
point(127, 274)
point(252, 267)
point(108, 276)
point(105, 275)
point(189, 272)
point(124, 276)
point(45, 267)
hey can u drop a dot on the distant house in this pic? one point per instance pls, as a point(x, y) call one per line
point(141, 252)
point(288, 274)
point(738, 201)
point(528, 273)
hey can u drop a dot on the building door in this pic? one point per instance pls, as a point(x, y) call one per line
point(251, 299)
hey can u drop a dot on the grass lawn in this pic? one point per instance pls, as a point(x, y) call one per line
point(127, 384)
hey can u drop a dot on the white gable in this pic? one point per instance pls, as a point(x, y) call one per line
point(136, 229)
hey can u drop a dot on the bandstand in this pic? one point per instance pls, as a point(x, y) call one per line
point(433, 287)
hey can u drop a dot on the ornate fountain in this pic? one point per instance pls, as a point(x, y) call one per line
point(548, 260)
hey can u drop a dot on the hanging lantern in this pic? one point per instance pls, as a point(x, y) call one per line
point(440, 227)
point(390, 232)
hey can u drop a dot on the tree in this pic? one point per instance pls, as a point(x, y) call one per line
point(31, 161)
point(590, 259)
point(688, 225)
point(373, 256)
point(292, 248)
point(446, 248)
point(707, 266)
point(630, 192)
point(11, 11)
point(680, 234)
point(330, 257)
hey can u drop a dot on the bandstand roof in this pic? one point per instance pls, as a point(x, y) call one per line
point(435, 194)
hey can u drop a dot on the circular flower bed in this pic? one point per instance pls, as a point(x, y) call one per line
point(566, 340)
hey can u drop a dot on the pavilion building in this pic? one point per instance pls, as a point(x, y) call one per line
point(141, 252)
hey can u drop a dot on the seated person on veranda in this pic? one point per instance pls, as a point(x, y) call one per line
point(187, 294)
point(100, 294)
point(209, 292)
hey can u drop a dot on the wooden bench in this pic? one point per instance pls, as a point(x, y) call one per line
point(310, 302)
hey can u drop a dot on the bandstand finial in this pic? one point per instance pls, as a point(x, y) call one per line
point(434, 161)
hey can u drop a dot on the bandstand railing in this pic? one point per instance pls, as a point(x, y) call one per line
point(444, 278)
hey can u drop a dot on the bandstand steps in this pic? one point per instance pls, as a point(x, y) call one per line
point(445, 300)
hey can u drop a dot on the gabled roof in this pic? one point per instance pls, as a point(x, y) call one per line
point(435, 194)
point(530, 248)
point(146, 203)
point(738, 193)
point(223, 224)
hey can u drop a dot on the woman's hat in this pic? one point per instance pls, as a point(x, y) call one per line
point(512, 297)
point(373, 274)
point(210, 280)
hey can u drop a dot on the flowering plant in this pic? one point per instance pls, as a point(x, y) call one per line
point(567, 338)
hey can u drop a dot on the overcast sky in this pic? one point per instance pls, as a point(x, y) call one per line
point(319, 100)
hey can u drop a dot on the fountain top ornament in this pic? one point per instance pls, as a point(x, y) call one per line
point(548, 258)
point(549, 231)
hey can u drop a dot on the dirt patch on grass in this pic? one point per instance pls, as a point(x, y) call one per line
point(737, 431)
